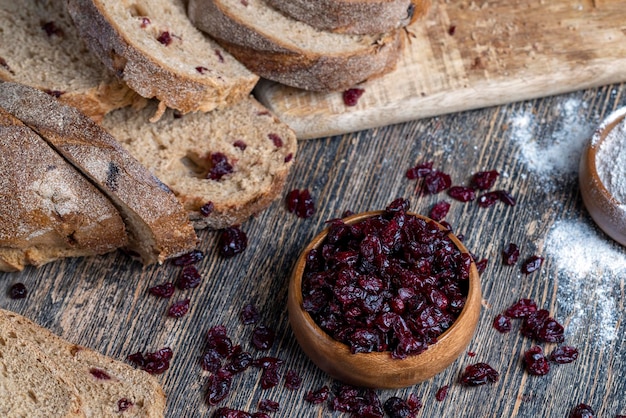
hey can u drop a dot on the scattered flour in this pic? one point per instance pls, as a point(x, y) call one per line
point(591, 269)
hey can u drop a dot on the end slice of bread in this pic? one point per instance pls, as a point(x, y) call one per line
point(40, 47)
point(291, 52)
point(155, 49)
point(100, 381)
point(180, 151)
point(48, 210)
point(156, 223)
point(31, 384)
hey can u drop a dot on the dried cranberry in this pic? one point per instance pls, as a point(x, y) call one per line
point(436, 181)
point(267, 405)
point(564, 354)
point(451, 30)
point(351, 96)
point(240, 144)
point(178, 309)
point(442, 392)
point(397, 408)
point(239, 362)
point(218, 340)
point(582, 411)
point(461, 193)
point(191, 257)
point(502, 323)
point(165, 38)
point(532, 264)
point(276, 139)
point(292, 380)
point(201, 69)
point(521, 308)
point(270, 376)
point(263, 337)
point(506, 198)
point(211, 361)
point(218, 386)
point(439, 210)
point(154, 363)
point(145, 22)
point(301, 203)
point(420, 170)
point(249, 314)
point(164, 290)
point(318, 396)
point(124, 404)
point(488, 199)
point(207, 209)
point(219, 166)
point(479, 374)
point(288, 157)
point(232, 241)
point(189, 278)
point(99, 374)
point(510, 254)
point(231, 413)
point(541, 327)
point(484, 180)
point(481, 265)
point(18, 291)
point(536, 363)
point(52, 29)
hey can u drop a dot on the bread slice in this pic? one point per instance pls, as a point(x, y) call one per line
point(40, 47)
point(100, 381)
point(31, 384)
point(359, 17)
point(155, 49)
point(291, 52)
point(156, 223)
point(178, 150)
point(48, 210)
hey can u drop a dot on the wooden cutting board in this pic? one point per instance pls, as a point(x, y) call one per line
point(472, 54)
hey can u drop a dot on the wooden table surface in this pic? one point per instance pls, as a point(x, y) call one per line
point(104, 303)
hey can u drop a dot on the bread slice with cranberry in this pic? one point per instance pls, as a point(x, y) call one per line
point(359, 17)
point(48, 210)
point(156, 223)
point(40, 47)
point(154, 48)
point(31, 384)
point(224, 166)
point(107, 387)
point(291, 52)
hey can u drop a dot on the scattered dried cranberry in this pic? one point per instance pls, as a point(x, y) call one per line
point(164, 290)
point(18, 291)
point(211, 361)
point(439, 210)
point(240, 144)
point(536, 363)
point(510, 254)
point(301, 203)
point(488, 199)
point(461, 193)
point(292, 380)
point(99, 374)
point(239, 362)
point(230, 413)
point(218, 340)
point(479, 374)
point(165, 38)
point(351, 96)
point(564, 354)
point(484, 180)
point(318, 396)
point(398, 408)
point(232, 242)
point(219, 166)
point(358, 402)
point(532, 264)
point(270, 366)
point(288, 157)
point(502, 323)
point(267, 405)
point(481, 265)
point(276, 139)
point(582, 411)
point(249, 314)
point(436, 181)
point(420, 170)
point(521, 308)
point(263, 337)
point(178, 309)
point(189, 278)
point(442, 392)
point(191, 257)
point(451, 30)
point(506, 198)
point(541, 327)
point(218, 386)
point(207, 209)
point(154, 363)
point(124, 404)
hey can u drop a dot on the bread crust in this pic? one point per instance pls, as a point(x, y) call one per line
point(48, 210)
point(148, 75)
point(354, 16)
point(157, 224)
point(276, 57)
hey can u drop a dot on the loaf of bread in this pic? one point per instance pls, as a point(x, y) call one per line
point(179, 150)
point(291, 52)
point(48, 210)
point(155, 49)
point(40, 47)
point(156, 223)
point(31, 384)
point(105, 387)
point(359, 17)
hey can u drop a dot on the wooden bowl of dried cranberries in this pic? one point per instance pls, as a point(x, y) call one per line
point(384, 299)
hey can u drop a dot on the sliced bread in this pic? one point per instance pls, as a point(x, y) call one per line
point(156, 222)
point(108, 387)
point(48, 210)
point(184, 150)
point(31, 384)
point(291, 52)
point(155, 49)
point(354, 16)
point(40, 47)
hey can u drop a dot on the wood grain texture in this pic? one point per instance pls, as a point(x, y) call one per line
point(103, 302)
point(471, 54)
